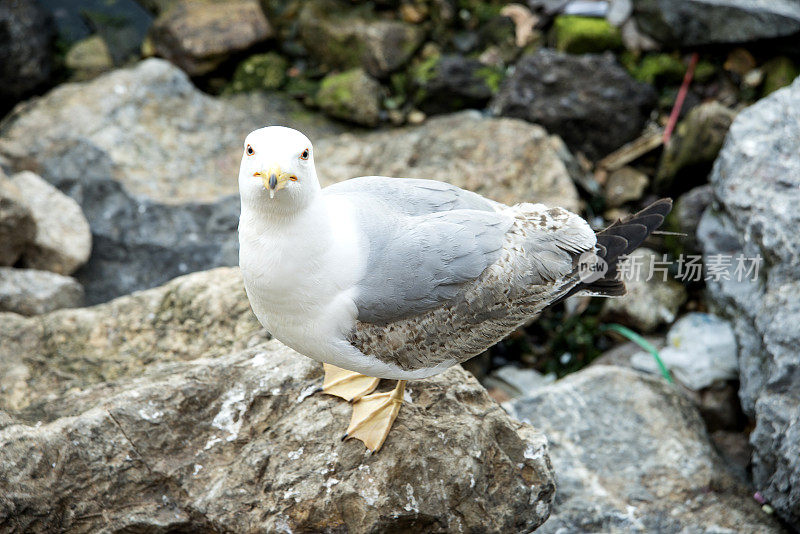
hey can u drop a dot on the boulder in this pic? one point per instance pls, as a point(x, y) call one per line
point(17, 225)
point(342, 37)
point(631, 454)
point(625, 185)
point(153, 163)
point(89, 58)
point(198, 35)
point(688, 23)
point(259, 72)
point(63, 241)
point(756, 185)
point(352, 95)
point(240, 440)
point(691, 151)
point(589, 100)
point(26, 36)
point(653, 297)
point(32, 292)
point(504, 159)
point(452, 82)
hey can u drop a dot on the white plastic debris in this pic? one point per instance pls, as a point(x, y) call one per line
point(701, 349)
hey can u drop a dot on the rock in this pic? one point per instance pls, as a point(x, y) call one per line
point(684, 219)
point(583, 35)
point(198, 36)
point(688, 156)
point(756, 184)
point(631, 455)
point(63, 240)
point(352, 96)
point(505, 159)
point(452, 82)
point(701, 350)
point(778, 72)
point(687, 23)
point(153, 163)
point(625, 185)
point(32, 292)
point(341, 38)
point(88, 58)
point(26, 37)
point(516, 381)
point(260, 72)
point(214, 443)
point(589, 100)
point(653, 298)
point(17, 225)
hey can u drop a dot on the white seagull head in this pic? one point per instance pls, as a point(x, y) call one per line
point(277, 171)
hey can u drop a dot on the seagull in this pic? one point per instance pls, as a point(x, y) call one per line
point(399, 278)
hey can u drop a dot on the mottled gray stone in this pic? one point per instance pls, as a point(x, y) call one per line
point(32, 292)
point(631, 454)
point(756, 184)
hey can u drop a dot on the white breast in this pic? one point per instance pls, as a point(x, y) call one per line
point(300, 275)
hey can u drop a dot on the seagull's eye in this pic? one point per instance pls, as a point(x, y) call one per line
point(305, 154)
point(249, 150)
point(293, 178)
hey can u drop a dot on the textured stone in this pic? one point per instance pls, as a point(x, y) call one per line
point(88, 58)
point(32, 292)
point(687, 23)
point(238, 440)
point(685, 217)
point(17, 225)
point(688, 156)
point(651, 302)
point(26, 35)
point(631, 454)
point(589, 100)
point(63, 240)
point(343, 38)
point(624, 185)
point(504, 159)
point(756, 185)
point(198, 35)
point(153, 163)
point(352, 95)
point(452, 82)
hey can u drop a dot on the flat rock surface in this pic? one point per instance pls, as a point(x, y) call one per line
point(237, 440)
point(631, 454)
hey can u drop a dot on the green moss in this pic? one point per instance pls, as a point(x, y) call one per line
point(582, 35)
point(351, 95)
point(259, 72)
point(425, 70)
point(481, 11)
point(778, 72)
point(704, 71)
point(492, 77)
point(660, 69)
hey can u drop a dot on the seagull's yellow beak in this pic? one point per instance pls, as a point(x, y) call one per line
point(274, 180)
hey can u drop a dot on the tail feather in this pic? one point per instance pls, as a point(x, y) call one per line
point(620, 239)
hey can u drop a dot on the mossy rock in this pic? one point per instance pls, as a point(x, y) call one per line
point(352, 96)
point(583, 35)
point(259, 72)
point(778, 72)
point(445, 83)
point(659, 69)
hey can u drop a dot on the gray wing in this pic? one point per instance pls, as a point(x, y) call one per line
point(413, 196)
point(417, 263)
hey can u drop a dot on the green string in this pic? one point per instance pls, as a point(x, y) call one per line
point(642, 342)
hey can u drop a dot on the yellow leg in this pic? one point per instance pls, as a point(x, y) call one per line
point(347, 384)
point(374, 415)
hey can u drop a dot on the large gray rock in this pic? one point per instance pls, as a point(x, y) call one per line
point(504, 159)
point(63, 241)
point(239, 440)
point(686, 23)
point(26, 36)
point(631, 454)
point(589, 100)
point(198, 35)
point(17, 225)
point(756, 184)
point(153, 163)
point(32, 292)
